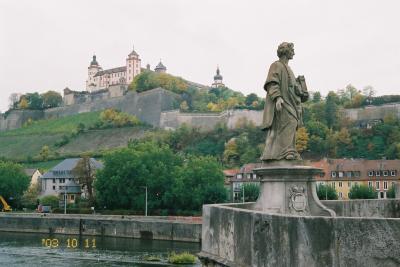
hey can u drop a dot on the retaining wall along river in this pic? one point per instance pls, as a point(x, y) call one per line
point(97, 225)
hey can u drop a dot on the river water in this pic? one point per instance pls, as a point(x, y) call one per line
point(23, 249)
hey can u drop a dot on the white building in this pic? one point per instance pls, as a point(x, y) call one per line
point(60, 179)
point(100, 79)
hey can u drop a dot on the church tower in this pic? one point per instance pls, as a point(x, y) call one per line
point(94, 67)
point(133, 66)
point(217, 80)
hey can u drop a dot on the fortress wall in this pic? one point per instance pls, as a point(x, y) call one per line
point(372, 112)
point(207, 121)
point(17, 118)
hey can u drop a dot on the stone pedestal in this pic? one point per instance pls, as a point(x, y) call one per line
point(288, 187)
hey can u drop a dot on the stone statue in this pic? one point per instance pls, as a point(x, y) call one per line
point(283, 111)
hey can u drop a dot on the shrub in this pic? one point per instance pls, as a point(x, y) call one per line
point(362, 192)
point(182, 258)
point(52, 201)
point(326, 192)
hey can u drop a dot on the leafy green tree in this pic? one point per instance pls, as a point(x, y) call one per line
point(362, 192)
point(127, 171)
point(316, 97)
point(204, 177)
point(331, 109)
point(250, 99)
point(326, 192)
point(149, 80)
point(50, 200)
point(251, 192)
point(13, 182)
point(35, 101)
point(391, 193)
point(51, 99)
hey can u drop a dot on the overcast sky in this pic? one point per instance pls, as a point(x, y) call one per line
point(48, 45)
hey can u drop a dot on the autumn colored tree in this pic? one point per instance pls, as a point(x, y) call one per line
point(301, 139)
point(85, 173)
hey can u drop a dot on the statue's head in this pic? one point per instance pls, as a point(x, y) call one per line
point(286, 49)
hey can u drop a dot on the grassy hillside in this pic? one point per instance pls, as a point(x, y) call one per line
point(65, 125)
point(25, 143)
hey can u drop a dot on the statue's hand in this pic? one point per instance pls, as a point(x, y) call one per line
point(279, 103)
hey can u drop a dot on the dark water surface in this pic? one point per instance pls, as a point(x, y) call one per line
point(25, 249)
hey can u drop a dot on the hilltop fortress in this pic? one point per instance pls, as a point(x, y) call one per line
point(158, 107)
point(109, 89)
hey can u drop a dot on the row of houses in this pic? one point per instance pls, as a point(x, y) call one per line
point(342, 174)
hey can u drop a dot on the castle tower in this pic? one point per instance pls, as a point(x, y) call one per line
point(94, 67)
point(160, 68)
point(133, 66)
point(217, 80)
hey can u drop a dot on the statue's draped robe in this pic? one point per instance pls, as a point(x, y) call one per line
point(281, 125)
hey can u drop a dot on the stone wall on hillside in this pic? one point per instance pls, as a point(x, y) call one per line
point(370, 113)
point(16, 118)
point(147, 106)
point(207, 121)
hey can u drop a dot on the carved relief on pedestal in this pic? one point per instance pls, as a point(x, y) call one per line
point(297, 198)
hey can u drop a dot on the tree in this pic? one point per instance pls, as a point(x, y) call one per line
point(316, 97)
point(204, 177)
point(149, 80)
point(362, 192)
point(23, 103)
point(331, 109)
point(391, 193)
point(50, 200)
point(174, 182)
point(251, 192)
point(13, 100)
point(30, 197)
point(35, 101)
point(51, 99)
point(120, 184)
point(13, 181)
point(326, 192)
point(301, 139)
point(85, 173)
point(44, 152)
point(250, 99)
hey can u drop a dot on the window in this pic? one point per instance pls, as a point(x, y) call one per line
point(393, 173)
point(254, 176)
point(369, 184)
point(340, 174)
point(356, 174)
point(54, 187)
point(348, 174)
point(54, 181)
point(340, 184)
point(60, 187)
point(72, 197)
point(334, 185)
point(385, 185)
point(239, 176)
point(340, 195)
point(378, 173)
point(370, 173)
point(349, 184)
point(333, 174)
point(385, 173)
point(377, 185)
point(249, 176)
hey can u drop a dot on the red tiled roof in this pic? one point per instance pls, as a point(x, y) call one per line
point(231, 172)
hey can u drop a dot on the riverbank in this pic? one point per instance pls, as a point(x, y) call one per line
point(159, 228)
